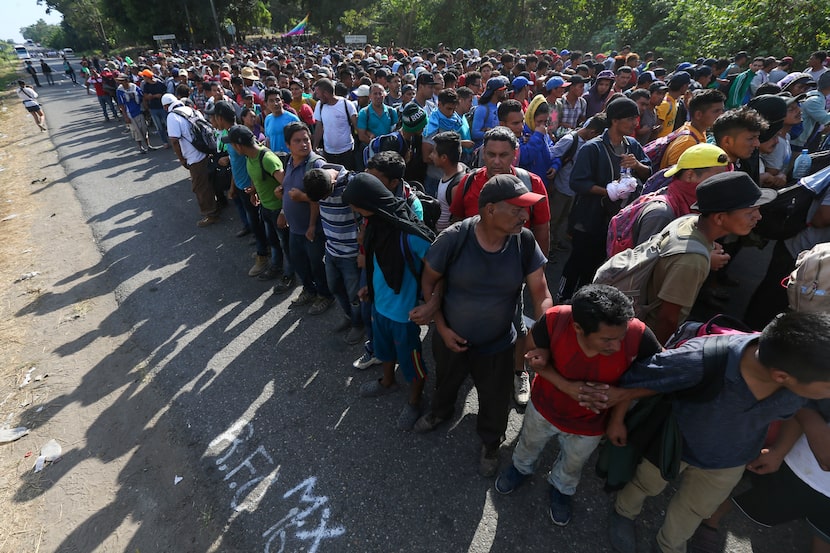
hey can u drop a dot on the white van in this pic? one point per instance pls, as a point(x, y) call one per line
point(68, 52)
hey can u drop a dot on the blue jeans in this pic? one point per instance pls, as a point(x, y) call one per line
point(574, 451)
point(343, 279)
point(159, 117)
point(106, 100)
point(307, 260)
point(278, 240)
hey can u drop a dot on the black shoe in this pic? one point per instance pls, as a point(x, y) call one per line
point(270, 273)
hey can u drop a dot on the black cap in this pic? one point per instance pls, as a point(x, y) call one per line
point(772, 108)
point(622, 108)
point(223, 110)
point(657, 85)
point(425, 78)
point(679, 79)
point(730, 191)
point(239, 134)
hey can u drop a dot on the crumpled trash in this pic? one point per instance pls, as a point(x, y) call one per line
point(48, 454)
point(177, 479)
point(12, 434)
point(27, 276)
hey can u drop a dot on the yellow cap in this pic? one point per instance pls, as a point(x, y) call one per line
point(699, 156)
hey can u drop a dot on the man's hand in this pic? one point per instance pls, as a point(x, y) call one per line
point(310, 233)
point(295, 194)
point(282, 222)
point(452, 340)
point(718, 258)
point(422, 314)
point(767, 462)
point(363, 294)
point(617, 433)
point(278, 192)
point(537, 358)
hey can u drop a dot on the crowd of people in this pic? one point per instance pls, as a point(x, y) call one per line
point(430, 187)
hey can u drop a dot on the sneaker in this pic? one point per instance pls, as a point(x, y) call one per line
point(260, 265)
point(621, 533)
point(376, 389)
point(521, 388)
point(304, 298)
point(142, 150)
point(207, 221)
point(365, 361)
point(244, 231)
point(408, 417)
point(320, 305)
point(270, 273)
point(510, 479)
point(286, 284)
point(354, 336)
point(427, 423)
point(560, 507)
point(488, 462)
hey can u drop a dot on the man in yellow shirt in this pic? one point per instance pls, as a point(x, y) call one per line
point(666, 112)
point(704, 108)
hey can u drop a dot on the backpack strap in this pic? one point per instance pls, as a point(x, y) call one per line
point(454, 181)
point(463, 232)
point(261, 157)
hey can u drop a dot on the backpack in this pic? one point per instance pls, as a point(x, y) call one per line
point(808, 286)
point(430, 205)
point(203, 135)
point(454, 182)
point(571, 153)
point(620, 229)
point(392, 142)
point(657, 148)
point(786, 215)
point(653, 432)
point(656, 181)
point(312, 157)
point(630, 270)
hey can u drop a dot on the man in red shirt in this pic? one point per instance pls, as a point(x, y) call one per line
point(581, 349)
point(498, 153)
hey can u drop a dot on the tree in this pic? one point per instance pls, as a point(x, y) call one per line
point(40, 32)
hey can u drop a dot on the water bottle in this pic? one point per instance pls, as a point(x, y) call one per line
point(801, 167)
point(627, 180)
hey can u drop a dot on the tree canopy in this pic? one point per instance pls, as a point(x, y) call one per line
point(674, 28)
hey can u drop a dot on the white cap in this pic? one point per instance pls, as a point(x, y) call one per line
point(362, 90)
point(168, 99)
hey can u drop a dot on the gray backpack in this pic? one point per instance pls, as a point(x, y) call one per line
point(808, 287)
point(630, 270)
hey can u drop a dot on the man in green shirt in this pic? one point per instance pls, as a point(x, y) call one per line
point(266, 172)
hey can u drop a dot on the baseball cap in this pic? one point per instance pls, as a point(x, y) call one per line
point(730, 191)
point(182, 72)
point(575, 79)
point(553, 83)
point(413, 118)
point(224, 110)
point(407, 88)
point(362, 91)
point(657, 85)
point(646, 77)
point(679, 79)
point(521, 82)
point(168, 99)
point(425, 78)
point(507, 188)
point(147, 73)
point(699, 156)
point(239, 134)
point(622, 108)
point(494, 84)
point(773, 108)
point(606, 74)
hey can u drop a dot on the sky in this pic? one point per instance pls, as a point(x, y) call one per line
point(22, 13)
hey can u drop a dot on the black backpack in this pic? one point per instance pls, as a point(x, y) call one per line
point(430, 205)
point(204, 136)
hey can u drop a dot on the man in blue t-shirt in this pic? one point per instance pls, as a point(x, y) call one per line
point(276, 121)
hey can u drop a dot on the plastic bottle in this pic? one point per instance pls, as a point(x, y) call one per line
point(627, 181)
point(801, 167)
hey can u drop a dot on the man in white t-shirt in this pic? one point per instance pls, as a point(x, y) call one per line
point(181, 137)
point(336, 118)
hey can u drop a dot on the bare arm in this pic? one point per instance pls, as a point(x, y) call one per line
point(542, 234)
point(177, 148)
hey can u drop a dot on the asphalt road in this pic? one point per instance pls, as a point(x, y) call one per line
point(267, 399)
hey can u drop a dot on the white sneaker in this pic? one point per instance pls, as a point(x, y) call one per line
point(365, 361)
point(521, 388)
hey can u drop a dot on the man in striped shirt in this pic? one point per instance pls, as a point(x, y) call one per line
point(325, 186)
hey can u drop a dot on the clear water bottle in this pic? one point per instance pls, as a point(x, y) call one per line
point(802, 165)
point(627, 180)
